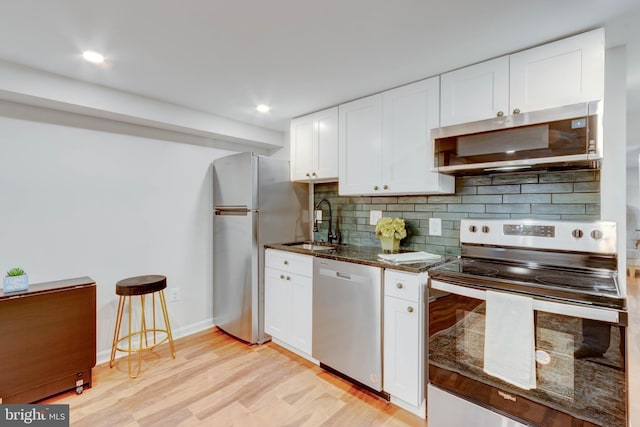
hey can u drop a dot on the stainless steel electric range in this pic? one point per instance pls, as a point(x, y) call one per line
point(527, 327)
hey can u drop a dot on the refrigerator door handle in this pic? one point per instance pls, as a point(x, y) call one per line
point(233, 211)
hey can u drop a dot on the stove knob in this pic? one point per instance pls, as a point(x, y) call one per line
point(596, 234)
point(473, 228)
point(485, 229)
point(577, 233)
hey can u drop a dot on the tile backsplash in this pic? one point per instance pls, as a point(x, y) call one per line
point(571, 195)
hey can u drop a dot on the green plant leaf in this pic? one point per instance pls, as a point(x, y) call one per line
point(15, 272)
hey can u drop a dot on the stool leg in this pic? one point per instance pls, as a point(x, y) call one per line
point(144, 322)
point(153, 305)
point(129, 339)
point(143, 332)
point(116, 332)
point(165, 314)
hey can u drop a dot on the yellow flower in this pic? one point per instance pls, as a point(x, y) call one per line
point(391, 227)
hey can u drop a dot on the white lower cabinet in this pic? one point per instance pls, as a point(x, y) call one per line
point(288, 279)
point(404, 313)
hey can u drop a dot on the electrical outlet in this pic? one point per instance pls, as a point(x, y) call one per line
point(435, 227)
point(374, 216)
point(174, 294)
point(319, 215)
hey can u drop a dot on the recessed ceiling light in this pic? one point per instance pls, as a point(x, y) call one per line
point(263, 108)
point(92, 56)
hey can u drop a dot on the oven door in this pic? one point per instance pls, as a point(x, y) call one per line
point(581, 389)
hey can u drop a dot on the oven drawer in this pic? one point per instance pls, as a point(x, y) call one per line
point(402, 285)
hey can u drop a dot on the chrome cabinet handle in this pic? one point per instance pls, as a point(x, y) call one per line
point(399, 285)
point(500, 114)
point(313, 173)
point(288, 278)
point(410, 309)
point(282, 276)
point(375, 187)
point(308, 174)
point(516, 111)
point(285, 262)
point(386, 187)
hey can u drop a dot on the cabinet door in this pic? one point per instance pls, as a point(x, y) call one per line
point(325, 147)
point(301, 140)
point(360, 146)
point(476, 92)
point(408, 115)
point(301, 294)
point(402, 370)
point(277, 303)
point(565, 72)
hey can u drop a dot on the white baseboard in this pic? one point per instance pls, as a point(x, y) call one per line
point(104, 355)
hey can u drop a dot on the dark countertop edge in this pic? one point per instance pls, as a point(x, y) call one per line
point(38, 288)
point(365, 255)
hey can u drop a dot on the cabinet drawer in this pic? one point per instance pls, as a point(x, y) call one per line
point(402, 285)
point(289, 262)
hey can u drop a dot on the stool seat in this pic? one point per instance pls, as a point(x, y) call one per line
point(141, 285)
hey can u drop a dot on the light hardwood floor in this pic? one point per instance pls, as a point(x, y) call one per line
point(216, 380)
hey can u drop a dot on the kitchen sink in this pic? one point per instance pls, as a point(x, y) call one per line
point(313, 246)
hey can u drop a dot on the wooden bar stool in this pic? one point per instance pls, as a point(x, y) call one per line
point(141, 286)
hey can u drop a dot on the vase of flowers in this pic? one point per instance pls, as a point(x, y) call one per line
point(390, 231)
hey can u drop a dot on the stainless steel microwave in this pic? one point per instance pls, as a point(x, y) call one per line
point(563, 137)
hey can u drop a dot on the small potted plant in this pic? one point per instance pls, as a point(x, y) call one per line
point(390, 231)
point(15, 280)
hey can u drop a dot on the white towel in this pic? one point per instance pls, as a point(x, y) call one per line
point(509, 343)
point(408, 257)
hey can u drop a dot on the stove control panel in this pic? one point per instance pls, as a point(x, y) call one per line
point(529, 230)
point(587, 236)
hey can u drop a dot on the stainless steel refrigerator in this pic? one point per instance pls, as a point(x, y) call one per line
point(254, 204)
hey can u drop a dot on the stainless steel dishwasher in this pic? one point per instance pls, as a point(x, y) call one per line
point(347, 320)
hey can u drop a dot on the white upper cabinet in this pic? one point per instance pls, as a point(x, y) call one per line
point(564, 72)
point(385, 144)
point(476, 92)
point(360, 146)
point(314, 146)
point(301, 134)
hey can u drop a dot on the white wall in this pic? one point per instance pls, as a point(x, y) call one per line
point(82, 202)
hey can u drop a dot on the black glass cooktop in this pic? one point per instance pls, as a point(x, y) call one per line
point(586, 286)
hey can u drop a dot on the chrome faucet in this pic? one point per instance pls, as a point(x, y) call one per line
point(330, 236)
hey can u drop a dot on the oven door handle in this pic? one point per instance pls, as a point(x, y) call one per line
point(582, 312)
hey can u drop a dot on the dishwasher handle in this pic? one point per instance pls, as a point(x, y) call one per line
point(343, 275)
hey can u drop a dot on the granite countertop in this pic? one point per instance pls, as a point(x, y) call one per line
point(366, 255)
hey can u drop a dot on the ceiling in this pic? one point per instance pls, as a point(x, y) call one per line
point(226, 56)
